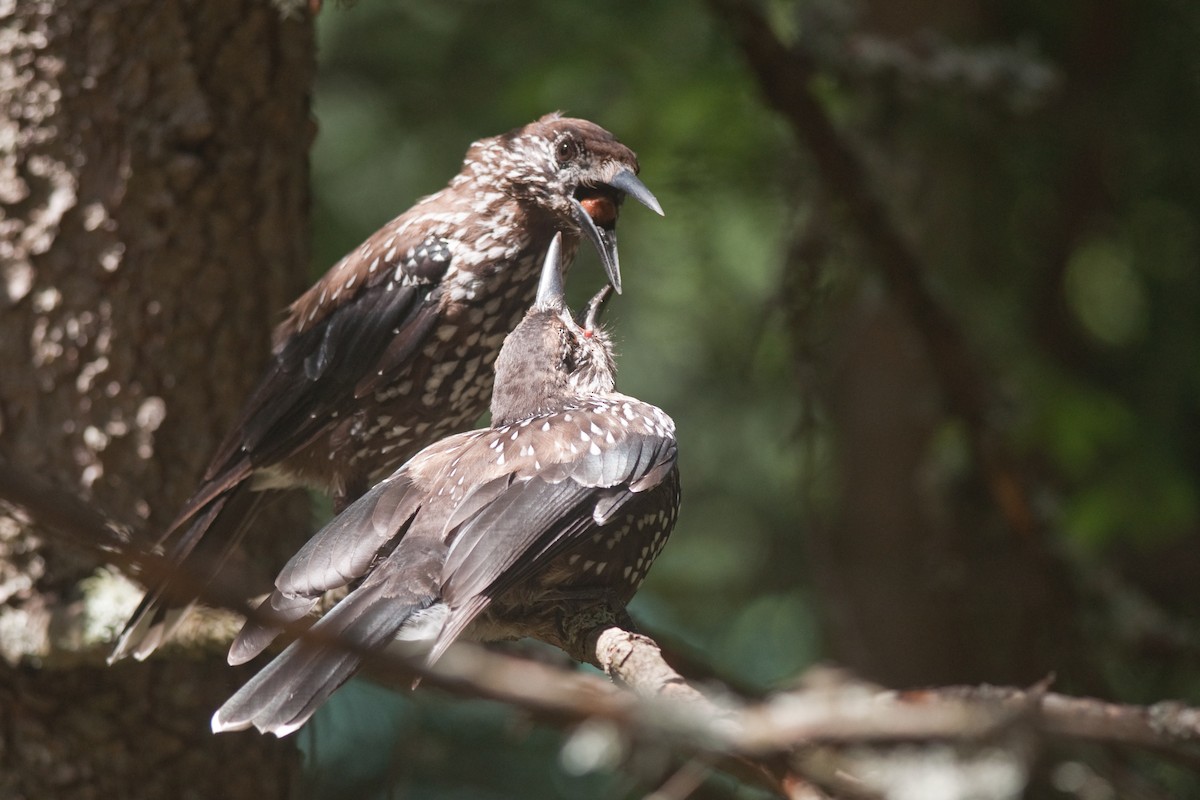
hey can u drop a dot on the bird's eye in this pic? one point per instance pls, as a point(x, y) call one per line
point(566, 149)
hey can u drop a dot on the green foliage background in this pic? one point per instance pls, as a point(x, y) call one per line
point(1081, 295)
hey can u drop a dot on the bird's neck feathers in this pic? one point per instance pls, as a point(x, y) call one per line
point(548, 363)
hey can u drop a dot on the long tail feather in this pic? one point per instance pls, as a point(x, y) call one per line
point(198, 553)
point(286, 692)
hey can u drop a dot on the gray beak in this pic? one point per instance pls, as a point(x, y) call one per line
point(550, 287)
point(605, 240)
point(595, 306)
point(631, 185)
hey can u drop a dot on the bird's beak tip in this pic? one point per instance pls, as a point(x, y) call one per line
point(631, 185)
point(550, 287)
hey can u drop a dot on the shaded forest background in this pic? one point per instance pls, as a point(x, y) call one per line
point(1040, 161)
point(1001, 489)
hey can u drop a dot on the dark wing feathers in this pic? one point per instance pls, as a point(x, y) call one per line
point(488, 568)
point(614, 465)
point(290, 407)
point(255, 637)
point(309, 376)
point(478, 500)
point(502, 532)
point(344, 549)
point(533, 519)
point(286, 692)
point(499, 528)
point(656, 471)
point(487, 546)
point(338, 554)
point(228, 515)
point(401, 348)
point(314, 370)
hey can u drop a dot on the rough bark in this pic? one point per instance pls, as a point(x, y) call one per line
point(153, 206)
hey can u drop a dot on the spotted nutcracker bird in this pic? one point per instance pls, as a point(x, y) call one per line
point(568, 496)
point(392, 349)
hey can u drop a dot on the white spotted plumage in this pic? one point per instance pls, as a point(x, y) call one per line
point(561, 504)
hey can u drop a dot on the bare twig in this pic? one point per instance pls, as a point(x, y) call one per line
point(785, 76)
point(63, 512)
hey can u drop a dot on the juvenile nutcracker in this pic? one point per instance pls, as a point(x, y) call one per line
point(493, 534)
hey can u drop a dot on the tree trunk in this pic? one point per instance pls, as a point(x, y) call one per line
point(922, 585)
point(153, 218)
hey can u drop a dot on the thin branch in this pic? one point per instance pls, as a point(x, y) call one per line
point(746, 739)
point(76, 523)
point(785, 76)
point(63, 512)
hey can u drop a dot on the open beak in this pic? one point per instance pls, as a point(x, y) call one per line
point(595, 211)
